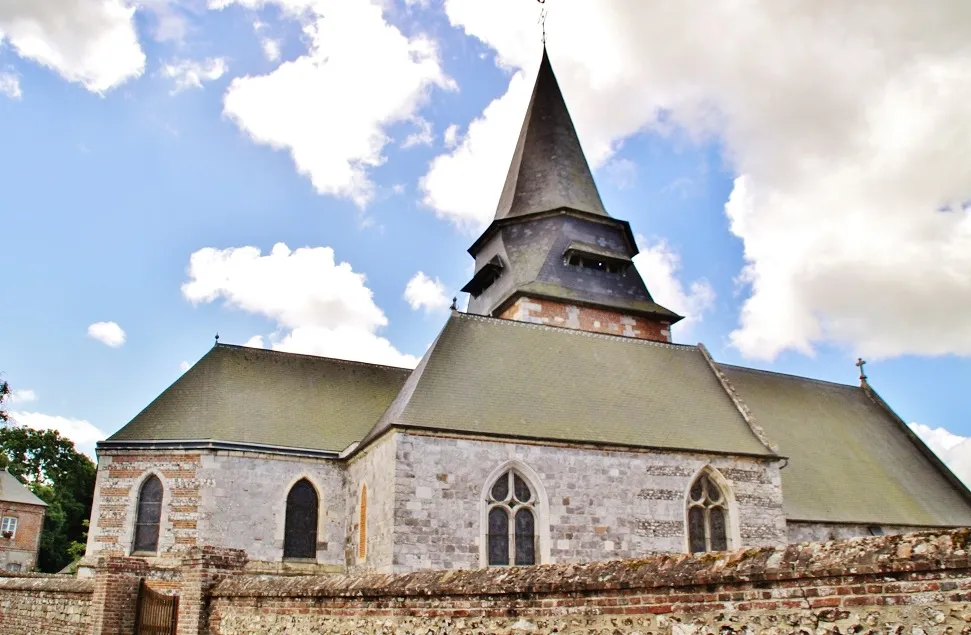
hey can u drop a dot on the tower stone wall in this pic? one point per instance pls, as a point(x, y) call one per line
point(585, 318)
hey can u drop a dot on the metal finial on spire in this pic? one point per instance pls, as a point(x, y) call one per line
point(861, 363)
point(455, 304)
point(542, 19)
point(217, 337)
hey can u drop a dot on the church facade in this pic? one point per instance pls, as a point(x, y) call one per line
point(555, 421)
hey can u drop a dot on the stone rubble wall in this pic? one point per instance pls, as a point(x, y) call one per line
point(603, 504)
point(45, 604)
point(914, 584)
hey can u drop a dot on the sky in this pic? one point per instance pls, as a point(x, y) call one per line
point(306, 175)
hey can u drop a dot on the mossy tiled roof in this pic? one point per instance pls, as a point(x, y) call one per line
point(251, 395)
point(850, 460)
point(499, 377)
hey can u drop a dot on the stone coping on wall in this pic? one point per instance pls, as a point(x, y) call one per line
point(903, 553)
point(47, 584)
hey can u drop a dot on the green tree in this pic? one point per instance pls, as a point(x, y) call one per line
point(59, 475)
point(4, 393)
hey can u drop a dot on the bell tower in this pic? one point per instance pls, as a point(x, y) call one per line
point(552, 255)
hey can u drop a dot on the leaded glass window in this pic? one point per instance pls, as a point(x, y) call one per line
point(707, 516)
point(300, 529)
point(511, 535)
point(149, 516)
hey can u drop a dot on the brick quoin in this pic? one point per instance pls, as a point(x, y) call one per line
point(583, 318)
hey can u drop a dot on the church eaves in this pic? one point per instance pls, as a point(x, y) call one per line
point(548, 169)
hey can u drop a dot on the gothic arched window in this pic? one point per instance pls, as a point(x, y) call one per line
point(300, 528)
point(149, 516)
point(707, 516)
point(511, 518)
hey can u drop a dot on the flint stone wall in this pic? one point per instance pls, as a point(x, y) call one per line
point(603, 504)
point(57, 605)
point(915, 584)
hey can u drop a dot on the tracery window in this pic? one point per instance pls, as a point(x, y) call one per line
point(707, 516)
point(300, 525)
point(511, 534)
point(149, 515)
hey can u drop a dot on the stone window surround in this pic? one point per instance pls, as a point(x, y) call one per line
point(6, 523)
point(128, 538)
point(731, 506)
point(541, 509)
point(281, 523)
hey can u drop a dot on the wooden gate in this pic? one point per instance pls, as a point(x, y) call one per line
point(157, 613)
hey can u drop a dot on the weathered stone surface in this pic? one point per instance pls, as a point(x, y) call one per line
point(58, 605)
point(904, 584)
point(603, 504)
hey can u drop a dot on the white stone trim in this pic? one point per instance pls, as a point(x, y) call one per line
point(734, 535)
point(134, 495)
point(542, 509)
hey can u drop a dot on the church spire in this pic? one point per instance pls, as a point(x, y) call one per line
point(548, 169)
point(553, 255)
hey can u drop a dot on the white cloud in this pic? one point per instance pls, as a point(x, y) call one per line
point(421, 137)
point(271, 48)
point(91, 42)
point(22, 396)
point(621, 172)
point(81, 432)
point(184, 366)
point(451, 136)
point(424, 292)
point(463, 186)
point(330, 108)
point(255, 342)
point(108, 333)
point(847, 128)
point(659, 265)
point(10, 85)
point(187, 74)
point(954, 450)
point(319, 306)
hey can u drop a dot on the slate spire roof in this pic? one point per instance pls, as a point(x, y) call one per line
point(548, 169)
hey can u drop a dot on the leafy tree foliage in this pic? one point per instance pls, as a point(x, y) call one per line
point(4, 393)
point(63, 478)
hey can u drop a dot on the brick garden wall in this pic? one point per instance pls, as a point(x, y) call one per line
point(45, 604)
point(915, 584)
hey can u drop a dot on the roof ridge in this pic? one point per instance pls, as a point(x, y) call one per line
point(272, 351)
point(577, 332)
point(794, 376)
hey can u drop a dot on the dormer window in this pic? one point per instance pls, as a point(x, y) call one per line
point(595, 258)
point(484, 277)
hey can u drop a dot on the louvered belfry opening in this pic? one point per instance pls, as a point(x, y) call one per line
point(300, 532)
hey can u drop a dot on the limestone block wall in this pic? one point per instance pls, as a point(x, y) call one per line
point(120, 475)
point(801, 531)
point(916, 584)
point(243, 499)
point(602, 504)
point(54, 604)
point(375, 468)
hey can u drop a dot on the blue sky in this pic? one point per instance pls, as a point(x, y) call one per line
point(786, 203)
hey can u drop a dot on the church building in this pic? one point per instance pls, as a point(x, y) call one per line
point(552, 422)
